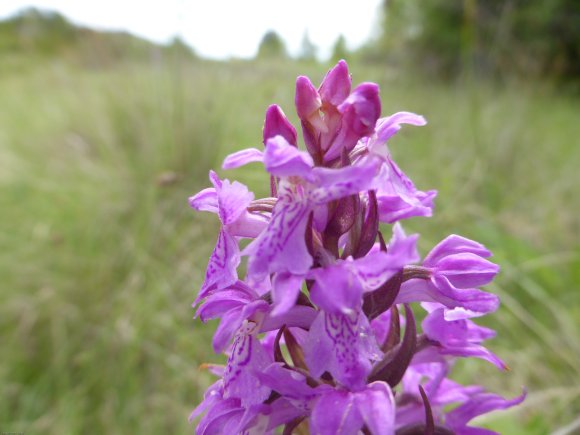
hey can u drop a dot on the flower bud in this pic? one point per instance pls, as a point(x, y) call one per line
point(276, 124)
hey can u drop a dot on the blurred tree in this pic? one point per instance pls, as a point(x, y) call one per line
point(41, 31)
point(179, 48)
point(271, 46)
point(307, 49)
point(339, 49)
point(487, 37)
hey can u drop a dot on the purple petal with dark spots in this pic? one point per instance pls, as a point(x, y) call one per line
point(281, 247)
point(344, 346)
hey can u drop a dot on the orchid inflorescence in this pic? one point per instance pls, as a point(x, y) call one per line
point(320, 333)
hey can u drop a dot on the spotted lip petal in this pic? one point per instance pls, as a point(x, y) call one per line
point(281, 247)
point(221, 270)
point(339, 287)
point(247, 358)
point(230, 201)
point(344, 346)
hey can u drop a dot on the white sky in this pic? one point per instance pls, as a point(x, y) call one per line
point(223, 28)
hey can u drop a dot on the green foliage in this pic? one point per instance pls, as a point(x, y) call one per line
point(36, 30)
point(272, 47)
point(485, 37)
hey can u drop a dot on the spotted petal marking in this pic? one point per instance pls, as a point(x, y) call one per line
point(246, 359)
point(281, 247)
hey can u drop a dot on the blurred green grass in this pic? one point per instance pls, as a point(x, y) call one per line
point(101, 256)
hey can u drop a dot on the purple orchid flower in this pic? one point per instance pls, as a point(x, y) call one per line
point(344, 346)
point(372, 406)
point(459, 338)
point(229, 201)
point(442, 392)
point(341, 340)
point(339, 287)
point(314, 333)
point(228, 415)
point(334, 119)
point(240, 303)
point(234, 305)
point(478, 404)
point(448, 276)
point(397, 196)
point(247, 358)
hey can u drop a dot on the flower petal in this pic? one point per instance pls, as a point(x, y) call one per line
point(222, 267)
point(335, 86)
point(454, 244)
point(307, 100)
point(335, 413)
point(478, 404)
point(281, 247)
point(248, 357)
point(206, 200)
point(337, 183)
point(233, 199)
point(461, 338)
point(360, 112)
point(460, 303)
point(387, 127)
point(376, 405)
point(466, 270)
point(283, 160)
point(397, 197)
point(378, 266)
point(276, 124)
point(243, 157)
point(342, 345)
point(337, 289)
point(285, 289)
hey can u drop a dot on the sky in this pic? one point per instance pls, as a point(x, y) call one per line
point(223, 28)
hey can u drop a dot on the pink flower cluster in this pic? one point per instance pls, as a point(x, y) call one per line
point(320, 331)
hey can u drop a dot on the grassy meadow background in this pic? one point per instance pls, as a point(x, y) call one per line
point(101, 256)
